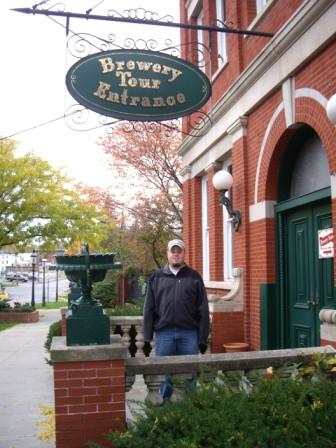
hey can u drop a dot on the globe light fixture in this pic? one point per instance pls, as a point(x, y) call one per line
point(223, 181)
point(331, 109)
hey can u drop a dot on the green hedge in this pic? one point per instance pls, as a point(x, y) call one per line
point(275, 413)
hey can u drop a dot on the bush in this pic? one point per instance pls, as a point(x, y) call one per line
point(105, 292)
point(4, 306)
point(129, 309)
point(276, 412)
point(55, 329)
point(18, 307)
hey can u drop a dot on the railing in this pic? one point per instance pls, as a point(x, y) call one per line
point(155, 369)
point(130, 330)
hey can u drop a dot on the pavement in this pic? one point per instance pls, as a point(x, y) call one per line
point(26, 382)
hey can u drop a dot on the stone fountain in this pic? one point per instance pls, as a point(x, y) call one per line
point(86, 322)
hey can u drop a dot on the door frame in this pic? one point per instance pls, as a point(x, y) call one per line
point(280, 211)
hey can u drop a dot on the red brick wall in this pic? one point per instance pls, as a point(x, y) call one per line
point(19, 317)
point(187, 225)
point(89, 400)
point(226, 327)
point(195, 257)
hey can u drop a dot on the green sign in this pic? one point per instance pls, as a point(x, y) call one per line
point(138, 85)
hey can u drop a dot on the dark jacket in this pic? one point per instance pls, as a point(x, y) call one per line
point(176, 301)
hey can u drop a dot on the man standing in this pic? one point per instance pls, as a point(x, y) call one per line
point(176, 307)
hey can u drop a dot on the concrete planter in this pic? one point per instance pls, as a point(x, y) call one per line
point(16, 316)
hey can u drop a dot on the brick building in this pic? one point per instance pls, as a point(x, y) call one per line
point(268, 281)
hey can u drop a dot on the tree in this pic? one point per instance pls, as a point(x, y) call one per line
point(38, 202)
point(154, 214)
point(153, 157)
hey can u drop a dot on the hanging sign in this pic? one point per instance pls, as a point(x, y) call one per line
point(138, 85)
point(326, 243)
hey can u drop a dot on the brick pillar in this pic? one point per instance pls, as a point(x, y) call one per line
point(187, 222)
point(196, 224)
point(241, 240)
point(89, 384)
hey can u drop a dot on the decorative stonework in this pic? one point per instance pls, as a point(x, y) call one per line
point(233, 301)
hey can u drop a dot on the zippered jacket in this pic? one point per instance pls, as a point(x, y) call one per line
point(176, 301)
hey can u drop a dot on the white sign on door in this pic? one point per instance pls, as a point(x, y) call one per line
point(326, 243)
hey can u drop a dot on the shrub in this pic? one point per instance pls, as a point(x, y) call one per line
point(5, 306)
point(55, 329)
point(18, 307)
point(276, 412)
point(105, 292)
point(129, 309)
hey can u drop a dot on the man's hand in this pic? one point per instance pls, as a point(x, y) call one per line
point(202, 348)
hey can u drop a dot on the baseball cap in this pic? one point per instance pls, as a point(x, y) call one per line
point(178, 243)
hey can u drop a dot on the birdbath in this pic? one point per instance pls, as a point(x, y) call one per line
point(86, 322)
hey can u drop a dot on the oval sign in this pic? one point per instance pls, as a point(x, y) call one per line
point(138, 85)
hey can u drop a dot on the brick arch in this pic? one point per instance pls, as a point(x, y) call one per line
point(312, 113)
point(307, 111)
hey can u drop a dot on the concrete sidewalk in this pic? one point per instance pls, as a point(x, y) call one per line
point(26, 381)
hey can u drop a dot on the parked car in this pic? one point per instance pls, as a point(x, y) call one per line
point(16, 277)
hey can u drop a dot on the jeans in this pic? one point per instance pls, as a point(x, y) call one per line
point(176, 341)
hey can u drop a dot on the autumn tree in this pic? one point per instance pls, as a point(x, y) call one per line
point(37, 202)
point(154, 159)
point(149, 163)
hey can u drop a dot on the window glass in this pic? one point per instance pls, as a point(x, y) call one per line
point(227, 235)
point(221, 37)
point(311, 169)
point(205, 228)
point(261, 5)
point(200, 41)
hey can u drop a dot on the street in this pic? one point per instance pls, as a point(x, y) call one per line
point(22, 293)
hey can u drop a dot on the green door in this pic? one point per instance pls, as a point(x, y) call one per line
point(308, 278)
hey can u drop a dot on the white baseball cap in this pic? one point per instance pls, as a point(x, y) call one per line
point(178, 243)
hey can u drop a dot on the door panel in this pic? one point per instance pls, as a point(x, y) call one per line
point(309, 282)
point(299, 279)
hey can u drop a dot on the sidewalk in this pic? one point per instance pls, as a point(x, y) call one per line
point(26, 381)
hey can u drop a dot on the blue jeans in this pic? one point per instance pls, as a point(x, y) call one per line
point(176, 341)
point(171, 342)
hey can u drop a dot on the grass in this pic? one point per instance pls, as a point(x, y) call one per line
point(6, 325)
point(62, 302)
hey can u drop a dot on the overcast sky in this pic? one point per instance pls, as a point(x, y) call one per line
point(32, 89)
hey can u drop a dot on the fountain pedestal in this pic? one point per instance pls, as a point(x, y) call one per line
point(86, 323)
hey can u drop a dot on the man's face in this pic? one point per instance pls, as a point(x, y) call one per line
point(175, 257)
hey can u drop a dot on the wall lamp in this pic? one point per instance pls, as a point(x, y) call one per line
point(222, 181)
point(331, 109)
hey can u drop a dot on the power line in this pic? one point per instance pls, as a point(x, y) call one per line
point(53, 120)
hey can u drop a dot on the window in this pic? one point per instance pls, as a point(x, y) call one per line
point(227, 235)
point(221, 37)
point(205, 228)
point(261, 5)
point(200, 41)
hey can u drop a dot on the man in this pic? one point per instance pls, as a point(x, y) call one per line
point(176, 307)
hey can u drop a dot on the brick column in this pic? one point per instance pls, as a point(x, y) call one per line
point(89, 384)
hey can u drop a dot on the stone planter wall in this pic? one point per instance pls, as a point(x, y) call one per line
point(13, 316)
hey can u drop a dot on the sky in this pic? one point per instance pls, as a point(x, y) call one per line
point(34, 63)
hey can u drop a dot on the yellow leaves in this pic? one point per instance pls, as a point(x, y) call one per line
point(47, 425)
